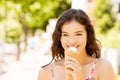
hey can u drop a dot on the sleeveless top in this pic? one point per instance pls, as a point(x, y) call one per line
point(90, 77)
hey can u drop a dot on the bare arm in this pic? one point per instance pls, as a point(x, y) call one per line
point(44, 74)
point(106, 71)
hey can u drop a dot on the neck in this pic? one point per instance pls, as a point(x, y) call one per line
point(84, 58)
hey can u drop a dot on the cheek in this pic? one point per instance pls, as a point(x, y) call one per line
point(82, 41)
point(63, 42)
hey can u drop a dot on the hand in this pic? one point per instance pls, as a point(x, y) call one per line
point(73, 68)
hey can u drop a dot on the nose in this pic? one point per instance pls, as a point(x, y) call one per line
point(72, 40)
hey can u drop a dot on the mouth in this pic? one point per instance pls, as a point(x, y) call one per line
point(69, 46)
point(73, 49)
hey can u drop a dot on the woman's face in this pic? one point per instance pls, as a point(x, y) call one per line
point(73, 34)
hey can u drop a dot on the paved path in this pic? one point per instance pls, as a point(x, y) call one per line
point(25, 69)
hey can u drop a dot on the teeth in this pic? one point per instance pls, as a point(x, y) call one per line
point(74, 49)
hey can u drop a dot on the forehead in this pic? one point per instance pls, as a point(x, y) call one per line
point(73, 26)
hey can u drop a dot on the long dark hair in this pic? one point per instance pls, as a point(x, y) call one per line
point(92, 46)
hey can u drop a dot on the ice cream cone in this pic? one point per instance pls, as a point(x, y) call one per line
point(73, 53)
point(68, 77)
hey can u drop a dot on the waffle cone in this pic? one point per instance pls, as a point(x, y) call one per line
point(73, 54)
point(68, 77)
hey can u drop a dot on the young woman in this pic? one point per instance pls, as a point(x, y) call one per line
point(74, 29)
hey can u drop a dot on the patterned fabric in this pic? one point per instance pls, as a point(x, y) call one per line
point(90, 77)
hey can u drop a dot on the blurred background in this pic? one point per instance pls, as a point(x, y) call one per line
point(26, 27)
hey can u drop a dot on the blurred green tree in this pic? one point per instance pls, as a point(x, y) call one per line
point(35, 14)
point(13, 31)
point(104, 16)
point(30, 14)
point(106, 24)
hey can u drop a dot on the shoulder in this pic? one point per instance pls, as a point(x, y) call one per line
point(103, 62)
point(104, 70)
point(44, 73)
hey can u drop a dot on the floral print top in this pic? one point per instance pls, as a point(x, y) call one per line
point(90, 77)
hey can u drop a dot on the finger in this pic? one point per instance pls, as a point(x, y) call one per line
point(69, 58)
point(71, 63)
point(73, 68)
point(69, 72)
point(70, 67)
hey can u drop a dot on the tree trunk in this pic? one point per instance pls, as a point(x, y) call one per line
point(25, 29)
point(18, 51)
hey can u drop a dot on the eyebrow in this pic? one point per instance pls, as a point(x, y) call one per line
point(75, 32)
point(78, 31)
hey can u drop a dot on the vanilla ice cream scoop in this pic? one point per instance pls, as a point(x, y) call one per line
point(74, 49)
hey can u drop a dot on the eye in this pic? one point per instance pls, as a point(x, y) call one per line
point(78, 34)
point(64, 34)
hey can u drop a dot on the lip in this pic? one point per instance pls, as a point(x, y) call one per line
point(76, 46)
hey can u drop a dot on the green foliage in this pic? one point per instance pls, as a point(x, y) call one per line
point(112, 39)
point(104, 16)
point(1, 30)
point(13, 31)
point(37, 13)
point(2, 10)
point(106, 25)
point(31, 14)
